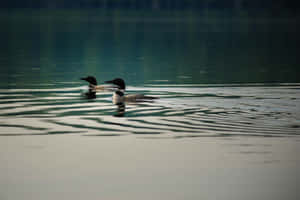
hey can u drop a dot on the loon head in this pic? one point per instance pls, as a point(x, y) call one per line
point(91, 93)
point(92, 80)
point(118, 82)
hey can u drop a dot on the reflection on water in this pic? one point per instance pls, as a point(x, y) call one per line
point(121, 107)
point(179, 47)
point(181, 111)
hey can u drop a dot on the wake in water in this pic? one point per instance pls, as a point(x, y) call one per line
point(181, 111)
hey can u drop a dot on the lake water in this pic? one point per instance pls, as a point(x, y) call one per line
point(226, 124)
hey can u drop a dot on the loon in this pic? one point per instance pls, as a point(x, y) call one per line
point(93, 87)
point(119, 98)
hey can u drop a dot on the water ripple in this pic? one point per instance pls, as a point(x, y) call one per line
point(183, 111)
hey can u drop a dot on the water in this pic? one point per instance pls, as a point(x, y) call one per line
point(182, 111)
point(226, 124)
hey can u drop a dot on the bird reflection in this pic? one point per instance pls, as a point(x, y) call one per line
point(120, 110)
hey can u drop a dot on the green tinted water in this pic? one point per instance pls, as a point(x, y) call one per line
point(142, 47)
point(225, 126)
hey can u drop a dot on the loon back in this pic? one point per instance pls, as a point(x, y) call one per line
point(120, 98)
point(138, 97)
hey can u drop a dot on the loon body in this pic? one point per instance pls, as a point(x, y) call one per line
point(119, 96)
point(93, 87)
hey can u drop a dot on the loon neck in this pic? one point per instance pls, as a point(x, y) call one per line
point(120, 92)
point(92, 85)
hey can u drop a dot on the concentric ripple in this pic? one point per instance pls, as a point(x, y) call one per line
point(181, 111)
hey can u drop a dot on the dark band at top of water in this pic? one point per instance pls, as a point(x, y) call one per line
point(180, 47)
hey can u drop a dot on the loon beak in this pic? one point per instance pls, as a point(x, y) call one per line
point(83, 79)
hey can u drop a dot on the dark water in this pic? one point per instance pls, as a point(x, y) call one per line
point(228, 87)
point(181, 47)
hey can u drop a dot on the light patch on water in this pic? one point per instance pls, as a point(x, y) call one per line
point(180, 112)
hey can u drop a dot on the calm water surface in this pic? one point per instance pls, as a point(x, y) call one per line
point(226, 124)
